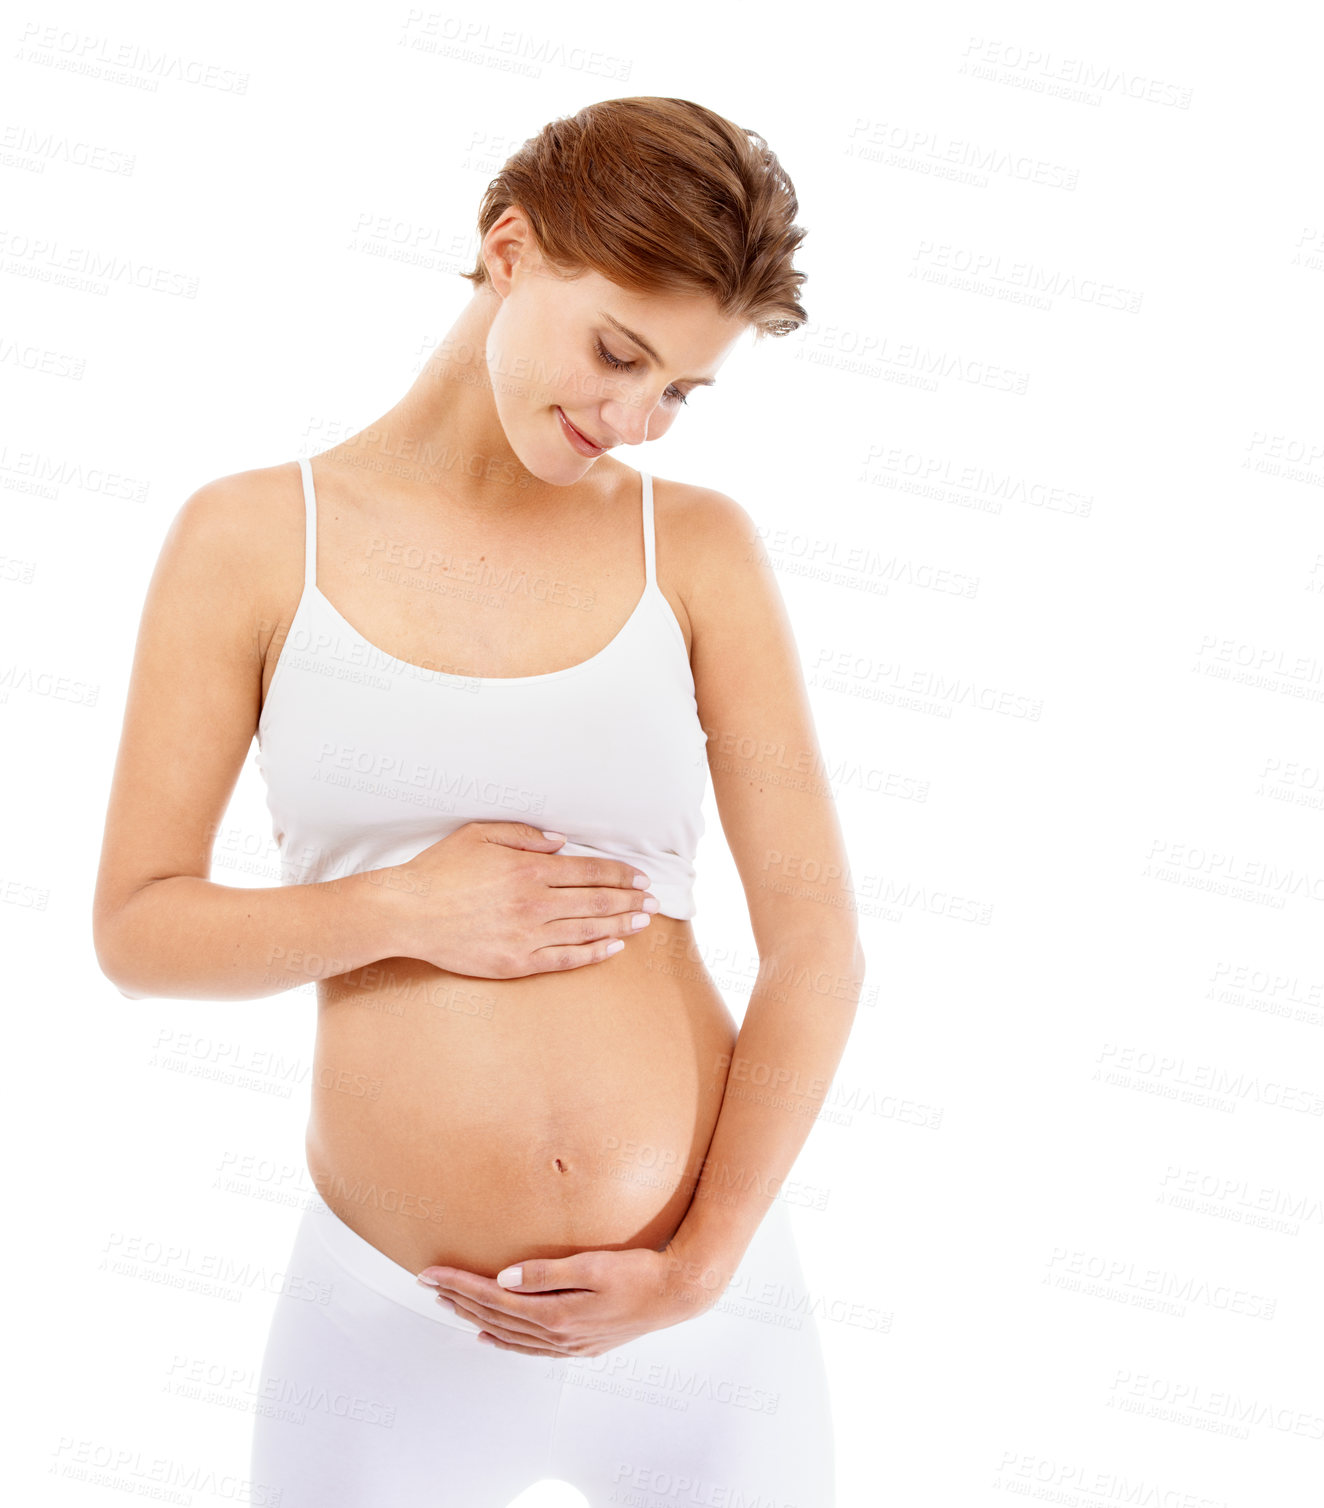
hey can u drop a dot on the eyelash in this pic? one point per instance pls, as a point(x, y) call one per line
point(624, 366)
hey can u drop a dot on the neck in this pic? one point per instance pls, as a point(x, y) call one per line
point(444, 439)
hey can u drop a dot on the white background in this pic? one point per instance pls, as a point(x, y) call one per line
point(1042, 481)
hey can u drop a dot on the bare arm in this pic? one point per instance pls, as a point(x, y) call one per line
point(480, 901)
point(782, 827)
point(160, 926)
point(184, 937)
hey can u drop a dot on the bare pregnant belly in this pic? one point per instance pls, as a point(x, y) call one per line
point(475, 1122)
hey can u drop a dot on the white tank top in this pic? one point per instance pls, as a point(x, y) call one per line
point(368, 760)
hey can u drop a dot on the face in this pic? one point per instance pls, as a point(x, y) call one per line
point(569, 382)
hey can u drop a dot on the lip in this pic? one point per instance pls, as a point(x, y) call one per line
point(578, 438)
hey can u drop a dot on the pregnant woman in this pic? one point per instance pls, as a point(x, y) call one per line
point(490, 668)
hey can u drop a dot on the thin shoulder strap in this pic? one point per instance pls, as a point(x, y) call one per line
point(310, 525)
point(650, 532)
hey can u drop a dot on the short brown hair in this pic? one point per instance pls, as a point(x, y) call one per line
point(659, 195)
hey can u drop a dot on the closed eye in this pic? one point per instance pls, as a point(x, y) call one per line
point(673, 392)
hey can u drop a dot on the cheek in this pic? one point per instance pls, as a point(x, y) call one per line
point(513, 354)
point(579, 386)
point(513, 373)
point(498, 367)
point(660, 421)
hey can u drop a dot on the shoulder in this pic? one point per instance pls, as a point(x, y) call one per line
point(720, 519)
point(241, 527)
point(237, 542)
point(713, 547)
point(706, 531)
point(233, 515)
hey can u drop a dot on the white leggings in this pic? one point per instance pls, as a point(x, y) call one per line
point(372, 1395)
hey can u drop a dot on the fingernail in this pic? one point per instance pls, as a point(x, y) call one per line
point(650, 903)
point(429, 1282)
point(641, 882)
point(615, 946)
point(510, 1277)
point(555, 837)
point(640, 919)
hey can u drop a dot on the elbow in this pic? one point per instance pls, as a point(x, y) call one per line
point(117, 975)
point(125, 984)
point(855, 973)
point(833, 961)
point(813, 940)
point(108, 946)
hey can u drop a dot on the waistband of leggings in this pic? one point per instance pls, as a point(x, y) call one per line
point(375, 1270)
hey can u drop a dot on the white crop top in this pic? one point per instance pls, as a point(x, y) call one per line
point(368, 760)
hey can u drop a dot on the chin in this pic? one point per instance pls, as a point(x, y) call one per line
point(555, 469)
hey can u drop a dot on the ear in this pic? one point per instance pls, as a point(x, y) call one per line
point(509, 241)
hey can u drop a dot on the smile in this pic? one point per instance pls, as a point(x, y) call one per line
point(578, 438)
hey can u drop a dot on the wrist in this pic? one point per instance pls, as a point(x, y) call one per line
point(379, 912)
point(688, 1286)
point(696, 1264)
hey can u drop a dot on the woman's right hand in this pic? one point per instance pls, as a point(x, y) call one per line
point(496, 901)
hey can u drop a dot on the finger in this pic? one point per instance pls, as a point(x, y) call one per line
point(502, 1345)
point(589, 869)
point(536, 1277)
point(499, 1325)
point(518, 1341)
point(521, 1313)
point(473, 1287)
point(580, 1273)
point(560, 956)
point(579, 916)
point(509, 1326)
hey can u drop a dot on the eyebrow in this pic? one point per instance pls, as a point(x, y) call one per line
point(643, 344)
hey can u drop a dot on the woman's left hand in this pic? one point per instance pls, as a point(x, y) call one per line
point(577, 1306)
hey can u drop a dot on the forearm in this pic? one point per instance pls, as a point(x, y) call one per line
point(189, 938)
point(794, 1033)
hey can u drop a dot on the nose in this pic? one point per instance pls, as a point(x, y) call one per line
point(630, 420)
